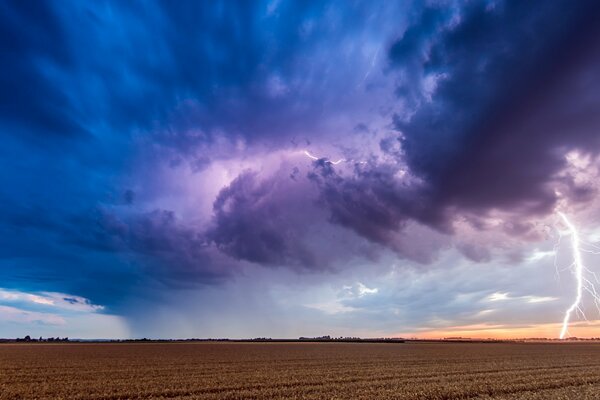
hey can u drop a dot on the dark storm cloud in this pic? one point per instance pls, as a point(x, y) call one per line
point(279, 221)
point(515, 91)
point(489, 134)
point(375, 213)
point(254, 220)
point(377, 205)
point(495, 96)
point(86, 84)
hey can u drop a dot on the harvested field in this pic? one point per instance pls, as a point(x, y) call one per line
point(300, 371)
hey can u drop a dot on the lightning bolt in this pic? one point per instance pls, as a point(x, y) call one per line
point(578, 266)
point(322, 158)
point(580, 271)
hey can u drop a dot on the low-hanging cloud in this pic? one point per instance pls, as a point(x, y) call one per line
point(484, 120)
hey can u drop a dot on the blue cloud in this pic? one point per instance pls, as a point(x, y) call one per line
point(80, 98)
point(468, 107)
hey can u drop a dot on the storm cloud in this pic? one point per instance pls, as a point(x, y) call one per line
point(490, 111)
point(150, 149)
point(502, 112)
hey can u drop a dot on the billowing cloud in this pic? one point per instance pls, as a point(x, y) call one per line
point(487, 133)
point(197, 148)
point(494, 133)
point(253, 219)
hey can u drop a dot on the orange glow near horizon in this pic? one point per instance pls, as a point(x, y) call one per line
point(583, 329)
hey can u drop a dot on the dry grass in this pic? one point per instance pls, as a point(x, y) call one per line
point(300, 371)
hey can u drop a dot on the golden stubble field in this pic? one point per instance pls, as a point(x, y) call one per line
point(300, 371)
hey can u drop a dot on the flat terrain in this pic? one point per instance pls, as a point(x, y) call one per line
point(300, 371)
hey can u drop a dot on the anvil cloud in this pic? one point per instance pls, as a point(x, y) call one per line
point(155, 168)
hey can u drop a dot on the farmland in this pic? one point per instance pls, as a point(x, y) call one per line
point(300, 371)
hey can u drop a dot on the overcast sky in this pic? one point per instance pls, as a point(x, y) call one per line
point(284, 169)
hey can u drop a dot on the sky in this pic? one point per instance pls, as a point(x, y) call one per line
point(179, 169)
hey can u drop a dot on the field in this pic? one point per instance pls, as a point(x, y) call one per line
point(300, 371)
